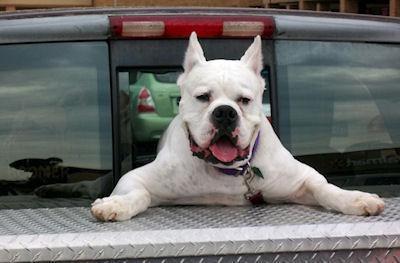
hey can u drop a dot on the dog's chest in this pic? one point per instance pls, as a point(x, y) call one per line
point(212, 181)
point(215, 182)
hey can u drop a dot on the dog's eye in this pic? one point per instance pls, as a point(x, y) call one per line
point(203, 97)
point(244, 100)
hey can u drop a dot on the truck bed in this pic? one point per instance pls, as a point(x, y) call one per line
point(272, 233)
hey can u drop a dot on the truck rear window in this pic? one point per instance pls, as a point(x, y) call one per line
point(149, 100)
point(338, 109)
point(55, 117)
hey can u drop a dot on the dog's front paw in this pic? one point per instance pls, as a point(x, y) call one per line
point(113, 208)
point(361, 203)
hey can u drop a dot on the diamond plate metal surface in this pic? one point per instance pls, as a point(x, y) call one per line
point(68, 233)
point(368, 255)
point(33, 201)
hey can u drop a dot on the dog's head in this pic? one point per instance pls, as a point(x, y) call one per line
point(221, 103)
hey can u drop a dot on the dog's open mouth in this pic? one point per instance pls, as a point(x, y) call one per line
point(222, 149)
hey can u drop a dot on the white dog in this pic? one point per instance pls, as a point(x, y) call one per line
point(220, 149)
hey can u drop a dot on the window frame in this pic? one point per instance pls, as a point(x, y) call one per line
point(170, 53)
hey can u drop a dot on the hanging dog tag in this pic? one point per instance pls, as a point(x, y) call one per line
point(257, 171)
point(255, 197)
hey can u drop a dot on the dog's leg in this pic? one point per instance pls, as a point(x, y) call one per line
point(128, 199)
point(315, 190)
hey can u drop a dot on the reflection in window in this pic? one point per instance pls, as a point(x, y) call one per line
point(341, 96)
point(338, 106)
point(55, 115)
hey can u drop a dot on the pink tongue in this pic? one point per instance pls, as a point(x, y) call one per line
point(224, 150)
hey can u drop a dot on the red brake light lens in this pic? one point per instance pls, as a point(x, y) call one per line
point(144, 94)
point(182, 26)
point(145, 101)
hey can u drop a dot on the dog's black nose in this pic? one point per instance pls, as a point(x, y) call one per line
point(224, 116)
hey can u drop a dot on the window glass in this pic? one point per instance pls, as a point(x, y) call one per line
point(152, 97)
point(338, 106)
point(55, 117)
point(169, 77)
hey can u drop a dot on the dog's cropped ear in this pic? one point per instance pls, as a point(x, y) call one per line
point(194, 53)
point(253, 56)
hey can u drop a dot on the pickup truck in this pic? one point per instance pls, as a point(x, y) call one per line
point(69, 111)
